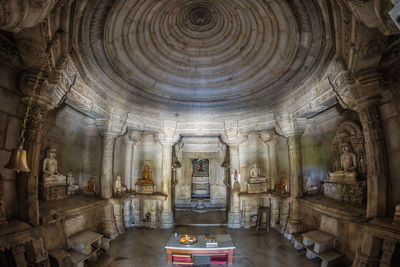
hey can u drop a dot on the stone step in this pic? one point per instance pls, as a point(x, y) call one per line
point(328, 257)
point(321, 240)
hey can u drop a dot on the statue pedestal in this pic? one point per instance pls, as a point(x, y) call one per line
point(53, 190)
point(145, 189)
point(347, 192)
point(257, 185)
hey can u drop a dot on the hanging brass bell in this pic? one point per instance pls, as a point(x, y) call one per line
point(17, 161)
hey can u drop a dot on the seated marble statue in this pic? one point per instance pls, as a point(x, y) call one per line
point(255, 175)
point(348, 166)
point(281, 187)
point(72, 188)
point(146, 176)
point(50, 169)
point(90, 189)
point(119, 188)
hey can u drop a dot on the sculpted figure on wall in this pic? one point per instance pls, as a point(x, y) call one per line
point(347, 150)
point(50, 168)
point(146, 176)
point(71, 186)
point(90, 189)
point(119, 188)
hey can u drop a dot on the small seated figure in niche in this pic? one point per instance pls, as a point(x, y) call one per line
point(311, 187)
point(255, 175)
point(146, 176)
point(72, 188)
point(396, 219)
point(119, 188)
point(348, 166)
point(50, 169)
point(90, 189)
point(281, 187)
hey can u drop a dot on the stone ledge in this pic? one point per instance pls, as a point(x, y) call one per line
point(53, 211)
point(332, 208)
point(383, 228)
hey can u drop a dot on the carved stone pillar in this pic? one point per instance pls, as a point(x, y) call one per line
point(273, 163)
point(292, 129)
point(363, 95)
point(271, 139)
point(388, 248)
point(167, 219)
point(107, 165)
point(167, 139)
point(376, 160)
point(368, 254)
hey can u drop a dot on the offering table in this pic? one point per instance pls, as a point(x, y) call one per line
point(225, 247)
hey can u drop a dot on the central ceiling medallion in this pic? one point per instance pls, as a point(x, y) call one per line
point(200, 16)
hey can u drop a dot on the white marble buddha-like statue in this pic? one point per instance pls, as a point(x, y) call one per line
point(348, 166)
point(50, 169)
point(255, 175)
point(71, 186)
point(119, 188)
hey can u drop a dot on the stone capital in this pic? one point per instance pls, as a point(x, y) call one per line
point(268, 137)
point(169, 135)
point(290, 126)
point(112, 126)
point(133, 137)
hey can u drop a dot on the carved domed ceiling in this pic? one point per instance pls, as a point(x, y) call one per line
point(201, 54)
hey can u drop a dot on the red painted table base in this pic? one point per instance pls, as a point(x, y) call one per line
point(202, 252)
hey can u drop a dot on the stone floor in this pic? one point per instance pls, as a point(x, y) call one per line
point(145, 248)
point(191, 218)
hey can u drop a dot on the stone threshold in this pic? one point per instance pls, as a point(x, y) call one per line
point(383, 228)
point(52, 211)
point(333, 208)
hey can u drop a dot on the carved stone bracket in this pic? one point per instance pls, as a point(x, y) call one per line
point(16, 15)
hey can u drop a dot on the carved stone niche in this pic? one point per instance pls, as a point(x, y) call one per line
point(342, 184)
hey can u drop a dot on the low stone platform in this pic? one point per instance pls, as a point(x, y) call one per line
point(51, 211)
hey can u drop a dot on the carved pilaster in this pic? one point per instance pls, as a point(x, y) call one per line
point(388, 247)
point(363, 95)
point(28, 182)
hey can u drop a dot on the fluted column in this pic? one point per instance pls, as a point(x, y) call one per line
point(107, 165)
point(292, 128)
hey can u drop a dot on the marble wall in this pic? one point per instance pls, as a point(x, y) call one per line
point(11, 114)
point(316, 142)
point(252, 151)
point(78, 144)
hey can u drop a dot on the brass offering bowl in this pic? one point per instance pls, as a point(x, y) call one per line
point(188, 240)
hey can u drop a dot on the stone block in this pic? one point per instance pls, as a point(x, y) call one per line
point(310, 254)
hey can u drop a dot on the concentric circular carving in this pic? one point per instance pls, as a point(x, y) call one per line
point(188, 54)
